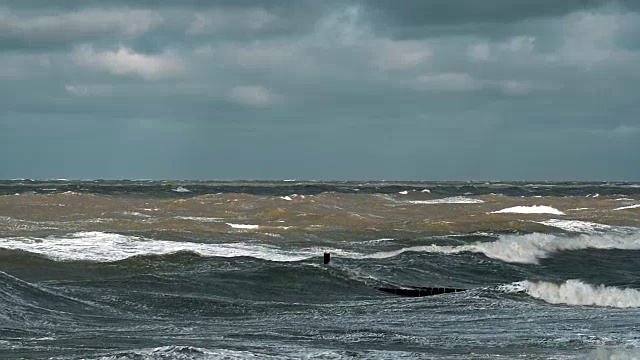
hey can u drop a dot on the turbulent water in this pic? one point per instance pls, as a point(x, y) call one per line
point(234, 270)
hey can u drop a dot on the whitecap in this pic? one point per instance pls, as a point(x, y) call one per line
point(628, 207)
point(576, 292)
point(576, 225)
point(181, 189)
point(200, 218)
point(373, 242)
point(405, 192)
point(525, 249)
point(535, 209)
point(449, 200)
point(107, 247)
point(243, 226)
point(103, 247)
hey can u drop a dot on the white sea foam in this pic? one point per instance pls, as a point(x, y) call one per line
point(425, 191)
point(283, 353)
point(181, 189)
point(200, 218)
point(576, 292)
point(291, 197)
point(535, 209)
point(528, 248)
point(182, 352)
point(106, 247)
point(373, 242)
point(577, 225)
point(628, 207)
point(449, 200)
point(405, 192)
point(625, 352)
point(243, 226)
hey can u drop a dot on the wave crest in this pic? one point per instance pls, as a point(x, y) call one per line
point(576, 292)
point(528, 248)
point(108, 247)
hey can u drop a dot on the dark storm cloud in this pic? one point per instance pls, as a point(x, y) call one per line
point(459, 12)
point(416, 18)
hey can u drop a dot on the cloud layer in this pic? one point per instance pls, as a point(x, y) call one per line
point(328, 90)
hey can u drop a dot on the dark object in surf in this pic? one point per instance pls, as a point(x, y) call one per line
point(327, 258)
point(420, 291)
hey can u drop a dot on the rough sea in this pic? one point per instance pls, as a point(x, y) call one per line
point(234, 270)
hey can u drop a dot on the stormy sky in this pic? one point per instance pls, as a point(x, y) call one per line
point(306, 89)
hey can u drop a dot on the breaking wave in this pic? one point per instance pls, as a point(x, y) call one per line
point(107, 247)
point(529, 248)
point(576, 292)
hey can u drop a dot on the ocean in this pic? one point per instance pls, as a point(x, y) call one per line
point(234, 270)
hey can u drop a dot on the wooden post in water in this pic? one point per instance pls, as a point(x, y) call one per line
point(327, 258)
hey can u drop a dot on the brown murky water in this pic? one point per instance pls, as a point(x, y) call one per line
point(223, 215)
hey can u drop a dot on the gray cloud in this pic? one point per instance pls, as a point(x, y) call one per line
point(28, 30)
point(43, 25)
point(367, 89)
